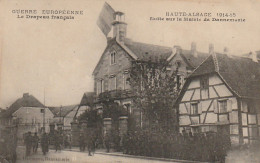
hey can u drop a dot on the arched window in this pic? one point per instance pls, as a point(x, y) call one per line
point(112, 58)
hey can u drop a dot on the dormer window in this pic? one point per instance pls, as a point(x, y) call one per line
point(112, 58)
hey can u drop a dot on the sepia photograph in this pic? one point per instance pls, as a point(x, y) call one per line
point(110, 81)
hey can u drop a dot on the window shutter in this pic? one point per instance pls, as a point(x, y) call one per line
point(188, 108)
point(215, 106)
point(229, 105)
point(200, 108)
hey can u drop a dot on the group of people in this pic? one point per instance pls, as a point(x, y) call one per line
point(32, 141)
point(57, 139)
point(89, 141)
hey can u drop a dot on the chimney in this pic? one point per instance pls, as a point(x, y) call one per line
point(253, 56)
point(119, 26)
point(26, 95)
point(226, 51)
point(211, 49)
point(177, 49)
point(194, 49)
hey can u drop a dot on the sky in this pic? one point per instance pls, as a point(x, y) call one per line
point(53, 60)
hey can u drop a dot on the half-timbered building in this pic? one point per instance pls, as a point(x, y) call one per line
point(223, 95)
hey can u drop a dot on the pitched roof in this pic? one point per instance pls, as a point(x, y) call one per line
point(25, 101)
point(148, 51)
point(62, 111)
point(145, 52)
point(88, 98)
point(241, 74)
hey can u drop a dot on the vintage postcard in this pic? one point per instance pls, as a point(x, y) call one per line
point(85, 81)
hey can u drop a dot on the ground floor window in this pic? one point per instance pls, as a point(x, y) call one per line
point(253, 132)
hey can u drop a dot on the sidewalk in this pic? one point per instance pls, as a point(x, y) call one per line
point(120, 154)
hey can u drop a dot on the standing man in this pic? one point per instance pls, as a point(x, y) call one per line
point(35, 142)
point(69, 140)
point(44, 143)
point(28, 143)
point(81, 142)
point(57, 141)
point(91, 145)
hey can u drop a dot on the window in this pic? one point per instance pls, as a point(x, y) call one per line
point(251, 107)
point(194, 109)
point(112, 83)
point(125, 81)
point(100, 86)
point(252, 131)
point(113, 58)
point(222, 106)
point(204, 82)
point(128, 108)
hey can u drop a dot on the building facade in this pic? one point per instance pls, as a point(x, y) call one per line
point(32, 119)
point(222, 95)
point(111, 74)
point(26, 114)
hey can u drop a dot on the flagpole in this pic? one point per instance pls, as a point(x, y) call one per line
point(44, 110)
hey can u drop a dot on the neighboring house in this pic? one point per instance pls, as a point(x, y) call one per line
point(32, 119)
point(26, 101)
point(86, 103)
point(223, 95)
point(27, 114)
point(112, 71)
point(65, 115)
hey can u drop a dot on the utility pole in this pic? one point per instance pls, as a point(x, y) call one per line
point(44, 111)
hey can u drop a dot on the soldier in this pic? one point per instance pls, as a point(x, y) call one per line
point(81, 142)
point(91, 145)
point(67, 141)
point(35, 142)
point(45, 143)
point(57, 141)
point(28, 143)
